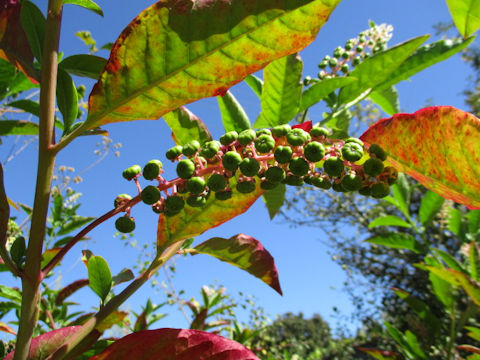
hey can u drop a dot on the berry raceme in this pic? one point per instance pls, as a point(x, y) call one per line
point(254, 161)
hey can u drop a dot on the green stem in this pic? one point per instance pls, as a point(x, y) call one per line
point(75, 342)
point(453, 331)
point(46, 160)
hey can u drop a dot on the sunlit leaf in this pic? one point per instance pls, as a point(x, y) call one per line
point(87, 4)
point(186, 126)
point(33, 23)
point(387, 100)
point(67, 99)
point(234, 116)
point(320, 90)
point(255, 83)
point(191, 52)
point(99, 276)
point(122, 276)
point(380, 354)
point(429, 207)
point(175, 344)
point(441, 288)
point(397, 241)
point(245, 252)
point(438, 146)
point(84, 65)
point(18, 127)
point(389, 220)
point(465, 15)
point(281, 92)
point(5, 328)
point(49, 255)
point(274, 199)
point(114, 318)
point(474, 332)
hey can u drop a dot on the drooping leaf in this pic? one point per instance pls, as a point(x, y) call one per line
point(67, 99)
point(175, 344)
point(47, 343)
point(320, 90)
point(234, 116)
point(437, 146)
point(245, 252)
point(123, 276)
point(87, 4)
point(444, 274)
point(273, 199)
point(27, 105)
point(186, 126)
point(114, 318)
point(255, 83)
point(191, 221)
point(85, 65)
point(376, 69)
point(281, 92)
point(449, 260)
point(33, 23)
point(389, 220)
point(429, 207)
point(397, 241)
point(191, 52)
point(99, 276)
point(18, 127)
point(69, 290)
point(387, 100)
point(5, 328)
point(10, 293)
point(465, 15)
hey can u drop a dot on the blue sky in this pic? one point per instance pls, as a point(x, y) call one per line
point(310, 280)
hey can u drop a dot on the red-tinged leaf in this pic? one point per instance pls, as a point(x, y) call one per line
point(176, 52)
point(469, 348)
point(49, 255)
point(5, 328)
point(186, 126)
point(245, 252)
point(14, 46)
point(178, 344)
point(192, 221)
point(69, 290)
point(114, 318)
point(307, 126)
point(438, 146)
point(380, 354)
point(47, 343)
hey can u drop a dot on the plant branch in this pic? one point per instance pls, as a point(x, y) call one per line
point(74, 343)
point(46, 160)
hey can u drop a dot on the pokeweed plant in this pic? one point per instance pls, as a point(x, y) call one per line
point(219, 180)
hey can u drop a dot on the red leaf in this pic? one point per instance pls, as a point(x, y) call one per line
point(4, 327)
point(439, 146)
point(178, 344)
point(306, 126)
point(245, 252)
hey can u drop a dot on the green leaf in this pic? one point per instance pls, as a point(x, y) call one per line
point(48, 255)
point(99, 276)
point(465, 15)
point(10, 294)
point(424, 57)
point(389, 220)
point(444, 274)
point(186, 126)
point(398, 337)
point(473, 217)
point(33, 23)
point(397, 241)
point(234, 116)
point(446, 151)
point(196, 50)
point(376, 69)
point(340, 124)
point(123, 276)
point(468, 284)
point(449, 260)
point(76, 222)
point(87, 4)
point(387, 100)
point(274, 199)
point(473, 261)
point(429, 207)
point(255, 83)
point(320, 90)
point(246, 253)
point(17, 127)
point(441, 288)
point(17, 250)
point(414, 346)
point(281, 91)
point(456, 224)
point(84, 65)
point(474, 332)
point(67, 99)
point(27, 105)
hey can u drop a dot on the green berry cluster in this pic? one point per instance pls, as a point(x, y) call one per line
point(245, 161)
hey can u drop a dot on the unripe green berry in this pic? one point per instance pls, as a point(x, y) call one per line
point(216, 182)
point(185, 168)
point(151, 170)
point(359, 49)
point(228, 138)
point(283, 154)
point(293, 180)
point(231, 160)
point(333, 166)
point(246, 187)
point(196, 200)
point(338, 187)
point(354, 140)
point(344, 68)
point(338, 52)
point(263, 132)
point(196, 185)
point(314, 151)
point(275, 174)
point(150, 195)
point(131, 172)
point(264, 144)
point(365, 191)
point(174, 203)
point(348, 46)
point(191, 148)
point(323, 64)
point(223, 195)
point(299, 166)
point(345, 55)
point(121, 199)
point(297, 137)
point(249, 167)
point(125, 224)
point(174, 152)
point(352, 151)
point(321, 183)
point(246, 137)
point(281, 130)
point(373, 167)
point(210, 149)
point(379, 153)
point(352, 182)
point(306, 80)
point(380, 190)
point(268, 185)
point(333, 62)
point(357, 60)
point(318, 131)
